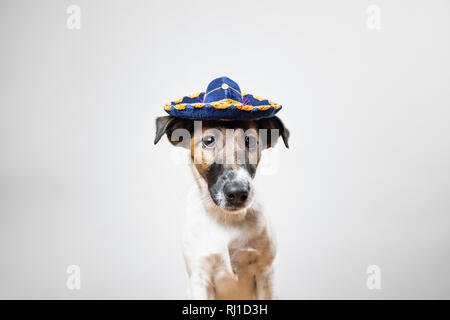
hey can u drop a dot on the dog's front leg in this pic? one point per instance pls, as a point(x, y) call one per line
point(201, 287)
point(264, 288)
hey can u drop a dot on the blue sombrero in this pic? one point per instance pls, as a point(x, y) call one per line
point(222, 100)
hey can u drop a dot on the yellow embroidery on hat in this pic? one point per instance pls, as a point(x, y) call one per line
point(210, 92)
point(224, 87)
point(245, 107)
point(181, 106)
point(224, 103)
point(258, 98)
point(229, 101)
point(220, 105)
point(195, 95)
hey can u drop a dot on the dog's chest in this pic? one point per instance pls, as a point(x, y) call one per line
point(243, 256)
point(231, 264)
point(228, 255)
point(231, 252)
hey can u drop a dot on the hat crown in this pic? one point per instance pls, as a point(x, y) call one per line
point(222, 88)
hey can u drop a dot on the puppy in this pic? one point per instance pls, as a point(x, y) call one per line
point(227, 245)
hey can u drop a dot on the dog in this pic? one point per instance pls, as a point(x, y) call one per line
point(228, 246)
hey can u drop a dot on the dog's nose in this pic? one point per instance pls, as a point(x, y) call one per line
point(236, 193)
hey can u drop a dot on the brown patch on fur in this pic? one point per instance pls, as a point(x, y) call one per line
point(211, 263)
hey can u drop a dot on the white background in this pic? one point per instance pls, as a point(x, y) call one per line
point(366, 180)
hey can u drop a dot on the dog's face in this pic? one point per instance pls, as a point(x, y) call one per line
point(225, 154)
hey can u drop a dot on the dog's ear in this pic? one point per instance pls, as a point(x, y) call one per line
point(274, 123)
point(179, 131)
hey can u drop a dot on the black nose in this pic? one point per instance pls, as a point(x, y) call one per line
point(236, 193)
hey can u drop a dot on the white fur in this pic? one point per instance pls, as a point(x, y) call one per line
point(228, 255)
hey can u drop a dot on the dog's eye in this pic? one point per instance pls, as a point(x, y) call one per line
point(250, 142)
point(208, 142)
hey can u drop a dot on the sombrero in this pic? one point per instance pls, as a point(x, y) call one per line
point(222, 100)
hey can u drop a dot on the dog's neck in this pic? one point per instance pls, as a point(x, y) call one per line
point(221, 215)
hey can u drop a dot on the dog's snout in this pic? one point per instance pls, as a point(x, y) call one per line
point(236, 193)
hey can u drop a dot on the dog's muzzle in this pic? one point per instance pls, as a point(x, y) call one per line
point(236, 194)
point(231, 189)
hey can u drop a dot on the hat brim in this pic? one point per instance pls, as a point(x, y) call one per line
point(252, 108)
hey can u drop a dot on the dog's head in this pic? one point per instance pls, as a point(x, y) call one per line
point(225, 154)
